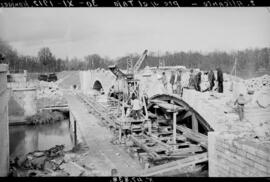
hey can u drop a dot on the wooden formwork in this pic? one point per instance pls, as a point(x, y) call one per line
point(181, 147)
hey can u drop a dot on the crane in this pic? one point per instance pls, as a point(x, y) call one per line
point(139, 62)
point(118, 73)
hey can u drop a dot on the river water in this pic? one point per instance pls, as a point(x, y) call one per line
point(28, 138)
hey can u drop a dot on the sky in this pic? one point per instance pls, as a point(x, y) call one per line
point(116, 32)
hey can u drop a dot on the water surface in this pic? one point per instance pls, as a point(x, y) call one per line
point(28, 138)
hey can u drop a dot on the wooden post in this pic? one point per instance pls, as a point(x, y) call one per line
point(174, 127)
point(145, 108)
point(69, 119)
point(75, 132)
point(194, 123)
point(120, 134)
point(149, 126)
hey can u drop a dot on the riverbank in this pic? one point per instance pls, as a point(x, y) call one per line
point(53, 162)
point(42, 117)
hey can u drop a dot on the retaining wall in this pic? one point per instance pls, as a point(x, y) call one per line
point(22, 103)
point(237, 157)
point(4, 130)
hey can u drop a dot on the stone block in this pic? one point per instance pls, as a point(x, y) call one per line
point(263, 154)
point(232, 149)
point(241, 152)
point(249, 162)
point(251, 157)
point(260, 167)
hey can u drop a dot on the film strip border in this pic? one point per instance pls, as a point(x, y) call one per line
point(134, 3)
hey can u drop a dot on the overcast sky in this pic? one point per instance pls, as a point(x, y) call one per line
point(115, 32)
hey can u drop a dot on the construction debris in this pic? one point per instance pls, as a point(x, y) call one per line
point(49, 94)
point(52, 162)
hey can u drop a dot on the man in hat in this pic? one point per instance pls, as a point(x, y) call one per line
point(164, 80)
point(136, 107)
point(178, 82)
point(172, 79)
point(191, 83)
point(211, 79)
point(240, 102)
point(197, 80)
point(220, 80)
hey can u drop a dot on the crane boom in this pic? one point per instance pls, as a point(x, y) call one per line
point(139, 62)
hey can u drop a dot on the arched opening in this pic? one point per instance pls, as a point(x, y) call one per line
point(97, 86)
point(184, 117)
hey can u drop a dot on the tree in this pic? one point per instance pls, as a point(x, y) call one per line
point(46, 58)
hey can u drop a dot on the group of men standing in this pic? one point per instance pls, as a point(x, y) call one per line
point(175, 81)
point(195, 80)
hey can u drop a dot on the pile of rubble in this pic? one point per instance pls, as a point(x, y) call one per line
point(49, 94)
point(258, 83)
point(52, 162)
point(261, 88)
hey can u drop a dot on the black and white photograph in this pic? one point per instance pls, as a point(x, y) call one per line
point(135, 92)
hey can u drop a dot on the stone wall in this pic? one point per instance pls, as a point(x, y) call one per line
point(237, 157)
point(18, 77)
point(4, 130)
point(22, 103)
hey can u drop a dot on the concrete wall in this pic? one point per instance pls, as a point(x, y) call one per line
point(4, 130)
point(22, 103)
point(237, 157)
point(19, 77)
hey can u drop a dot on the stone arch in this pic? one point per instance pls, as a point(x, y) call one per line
point(97, 85)
point(178, 101)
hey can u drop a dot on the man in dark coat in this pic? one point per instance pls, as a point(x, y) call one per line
point(211, 79)
point(220, 80)
point(172, 80)
point(191, 82)
point(198, 79)
point(178, 83)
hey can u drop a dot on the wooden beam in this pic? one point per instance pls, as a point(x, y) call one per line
point(168, 106)
point(187, 114)
point(190, 149)
point(174, 127)
point(198, 137)
point(195, 126)
point(158, 141)
point(140, 144)
point(192, 160)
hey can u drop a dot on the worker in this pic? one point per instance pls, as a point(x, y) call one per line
point(126, 107)
point(211, 79)
point(197, 81)
point(178, 82)
point(145, 97)
point(136, 107)
point(220, 80)
point(240, 102)
point(191, 79)
point(164, 80)
point(172, 81)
